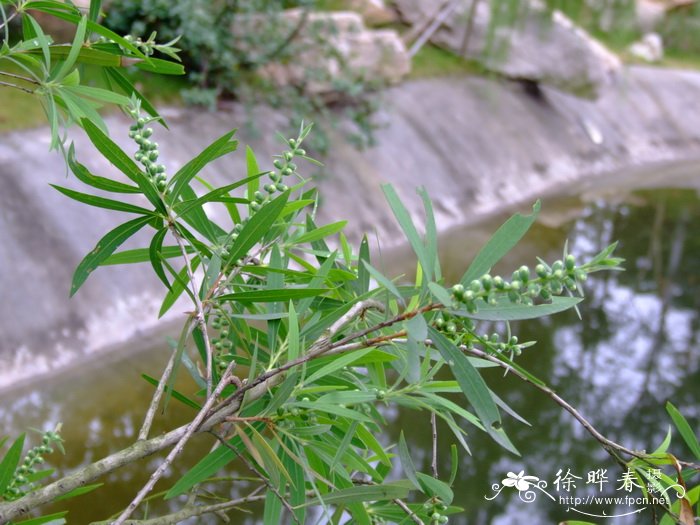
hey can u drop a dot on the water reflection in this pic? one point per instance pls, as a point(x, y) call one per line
point(635, 347)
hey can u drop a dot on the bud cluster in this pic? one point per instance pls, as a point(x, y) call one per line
point(21, 482)
point(222, 344)
point(434, 508)
point(523, 287)
point(284, 167)
point(147, 153)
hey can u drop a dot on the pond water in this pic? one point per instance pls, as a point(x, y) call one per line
point(635, 347)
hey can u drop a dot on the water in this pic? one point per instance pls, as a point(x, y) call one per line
point(635, 348)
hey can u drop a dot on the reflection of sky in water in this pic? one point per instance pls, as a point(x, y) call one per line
point(635, 347)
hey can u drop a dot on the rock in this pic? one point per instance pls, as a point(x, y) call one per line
point(650, 48)
point(349, 52)
point(552, 51)
point(373, 12)
point(649, 13)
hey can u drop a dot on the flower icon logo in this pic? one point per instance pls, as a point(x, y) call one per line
point(520, 481)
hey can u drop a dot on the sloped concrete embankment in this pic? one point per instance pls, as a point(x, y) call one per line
point(476, 144)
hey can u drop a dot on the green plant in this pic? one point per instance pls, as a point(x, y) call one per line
point(297, 352)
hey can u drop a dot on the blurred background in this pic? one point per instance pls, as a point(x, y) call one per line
point(590, 105)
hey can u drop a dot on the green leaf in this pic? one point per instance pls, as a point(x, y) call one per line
point(434, 487)
point(101, 183)
point(121, 80)
point(404, 220)
point(79, 491)
point(257, 227)
point(336, 364)
point(94, 13)
point(386, 491)
point(454, 464)
point(101, 202)
point(470, 381)
point(161, 67)
point(155, 253)
point(505, 238)
point(271, 296)
point(52, 519)
point(174, 393)
point(431, 236)
point(408, 467)
point(10, 462)
point(216, 149)
point(684, 429)
point(185, 206)
point(441, 294)
point(252, 169)
point(362, 272)
point(43, 40)
point(321, 233)
point(383, 281)
point(99, 94)
point(293, 343)
point(177, 287)
point(140, 255)
point(507, 311)
point(74, 50)
point(104, 248)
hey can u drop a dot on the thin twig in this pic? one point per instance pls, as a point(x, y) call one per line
point(157, 396)
point(191, 428)
point(19, 77)
point(259, 474)
point(8, 84)
point(192, 511)
point(412, 515)
point(199, 310)
point(433, 425)
point(607, 443)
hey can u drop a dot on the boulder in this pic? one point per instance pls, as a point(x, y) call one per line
point(335, 48)
point(650, 48)
point(373, 12)
point(540, 48)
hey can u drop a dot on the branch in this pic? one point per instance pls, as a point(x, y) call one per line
point(158, 394)
point(192, 511)
point(19, 77)
point(199, 311)
point(189, 431)
point(434, 464)
point(607, 443)
point(8, 84)
point(412, 515)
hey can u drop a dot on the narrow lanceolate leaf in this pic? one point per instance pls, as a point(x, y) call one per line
point(272, 296)
point(435, 488)
point(94, 13)
point(178, 286)
point(183, 207)
point(101, 183)
point(470, 381)
point(321, 233)
point(383, 281)
point(101, 202)
point(74, 50)
point(431, 237)
point(140, 255)
point(386, 491)
point(257, 227)
point(155, 255)
point(404, 219)
point(104, 248)
point(362, 271)
point(252, 169)
point(407, 462)
point(216, 149)
point(50, 519)
point(122, 162)
point(505, 238)
point(99, 94)
point(161, 67)
point(117, 77)
point(684, 429)
point(506, 311)
point(9, 463)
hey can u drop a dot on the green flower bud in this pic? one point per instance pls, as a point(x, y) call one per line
point(292, 142)
point(558, 273)
point(270, 188)
point(300, 151)
point(558, 265)
point(141, 122)
point(475, 286)
point(278, 164)
point(288, 155)
point(292, 166)
point(570, 262)
point(381, 394)
point(545, 294)
point(524, 274)
point(498, 282)
point(451, 327)
point(282, 187)
point(516, 285)
point(458, 291)
point(486, 281)
point(147, 132)
point(580, 275)
point(469, 295)
point(541, 271)
point(255, 206)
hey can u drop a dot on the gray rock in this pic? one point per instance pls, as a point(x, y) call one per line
point(552, 51)
point(357, 53)
point(373, 12)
